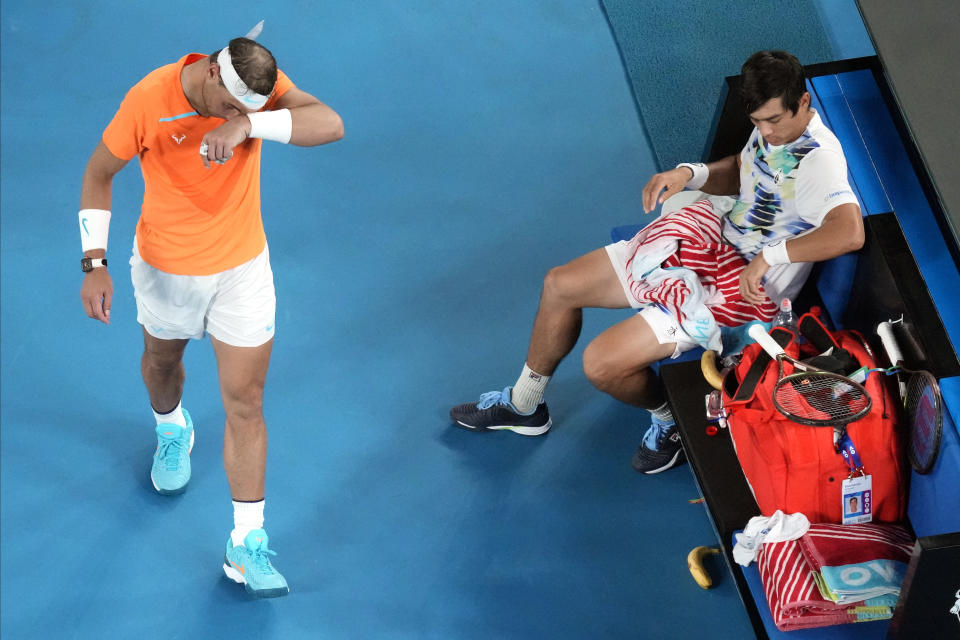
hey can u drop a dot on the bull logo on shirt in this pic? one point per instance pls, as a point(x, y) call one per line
point(180, 139)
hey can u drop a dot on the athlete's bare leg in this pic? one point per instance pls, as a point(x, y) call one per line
point(618, 362)
point(243, 373)
point(162, 369)
point(588, 281)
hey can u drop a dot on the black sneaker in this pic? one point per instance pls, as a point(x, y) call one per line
point(660, 448)
point(495, 412)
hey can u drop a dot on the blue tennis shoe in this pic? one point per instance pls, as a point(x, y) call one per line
point(171, 461)
point(248, 564)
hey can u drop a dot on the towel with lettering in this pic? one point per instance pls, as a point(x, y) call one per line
point(795, 600)
point(859, 561)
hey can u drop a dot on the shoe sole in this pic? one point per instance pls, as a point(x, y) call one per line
point(174, 492)
point(524, 431)
point(237, 577)
point(673, 462)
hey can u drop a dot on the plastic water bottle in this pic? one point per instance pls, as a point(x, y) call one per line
point(785, 317)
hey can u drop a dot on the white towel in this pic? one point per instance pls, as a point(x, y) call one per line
point(777, 528)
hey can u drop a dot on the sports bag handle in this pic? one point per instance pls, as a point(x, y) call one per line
point(816, 334)
point(752, 377)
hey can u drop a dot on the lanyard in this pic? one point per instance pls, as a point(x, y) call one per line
point(846, 448)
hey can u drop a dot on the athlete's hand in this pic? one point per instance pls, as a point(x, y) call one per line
point(97, 294)
point(751, 280)
point(217, 146)
point(673, 181)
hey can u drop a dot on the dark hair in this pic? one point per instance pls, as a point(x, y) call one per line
point(771, 74)
point(254, 64)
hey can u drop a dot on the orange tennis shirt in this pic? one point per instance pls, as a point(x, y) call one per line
point(194, 221)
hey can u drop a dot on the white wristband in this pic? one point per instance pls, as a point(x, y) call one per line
point(94, 228)
point(700, 174)
point(271, 125)
point(776, 253)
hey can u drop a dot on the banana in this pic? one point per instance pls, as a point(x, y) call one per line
point(695, 563)
point(708, 365)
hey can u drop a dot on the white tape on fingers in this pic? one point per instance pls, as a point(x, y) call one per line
point(205, 151)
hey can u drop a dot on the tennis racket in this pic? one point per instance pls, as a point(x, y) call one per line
point(811, 396)
point(922, 403)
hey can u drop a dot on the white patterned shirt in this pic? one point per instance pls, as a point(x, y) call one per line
point(785, 192)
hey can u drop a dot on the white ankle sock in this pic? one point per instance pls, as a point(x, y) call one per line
point(663, 413)
point(174, 417)
point(528, 391)
point(247, 516)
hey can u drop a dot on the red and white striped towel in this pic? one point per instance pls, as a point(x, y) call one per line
point(792, 594)
point(690, 238)
point(834, 545)
point(786, 570)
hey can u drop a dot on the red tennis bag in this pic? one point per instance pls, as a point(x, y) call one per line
point(795, 468)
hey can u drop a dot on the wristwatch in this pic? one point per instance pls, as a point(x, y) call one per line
point(89, 264)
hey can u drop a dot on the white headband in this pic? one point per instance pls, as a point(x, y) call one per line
point(237, 88)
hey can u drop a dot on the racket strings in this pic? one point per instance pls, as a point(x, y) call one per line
point(921, 395)
point(821, 398)
point(924, 415)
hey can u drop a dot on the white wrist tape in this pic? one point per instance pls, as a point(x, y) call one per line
point(776, 253)
point(271, 125)
point(94, 228)
point(700, 174)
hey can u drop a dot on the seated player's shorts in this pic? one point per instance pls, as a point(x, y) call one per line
point(237, 306)
point(664, 325)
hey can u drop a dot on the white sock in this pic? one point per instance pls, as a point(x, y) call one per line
point(663, 413)
point(247, 516)
point(174, 417)
point(528, 391)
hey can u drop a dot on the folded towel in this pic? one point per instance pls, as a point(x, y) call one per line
point(791, 591)
point(860, 561)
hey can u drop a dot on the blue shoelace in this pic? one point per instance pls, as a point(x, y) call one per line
point(170, 458)
point(492, 398)
point(656, 434)
point(261, 561)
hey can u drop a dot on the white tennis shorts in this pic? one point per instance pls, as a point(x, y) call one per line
point(237, 306)
point(664, 325)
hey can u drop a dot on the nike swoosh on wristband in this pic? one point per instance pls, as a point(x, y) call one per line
point(84, 224)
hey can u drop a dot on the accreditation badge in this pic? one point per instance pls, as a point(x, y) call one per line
point(857, 499)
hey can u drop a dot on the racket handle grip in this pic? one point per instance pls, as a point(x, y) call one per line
point(760, 335)
point(889, 341)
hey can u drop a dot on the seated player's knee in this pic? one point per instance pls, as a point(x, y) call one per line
point(602, 367)
point(559, 285)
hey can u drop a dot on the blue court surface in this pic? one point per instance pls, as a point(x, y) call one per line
point(485, 143)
